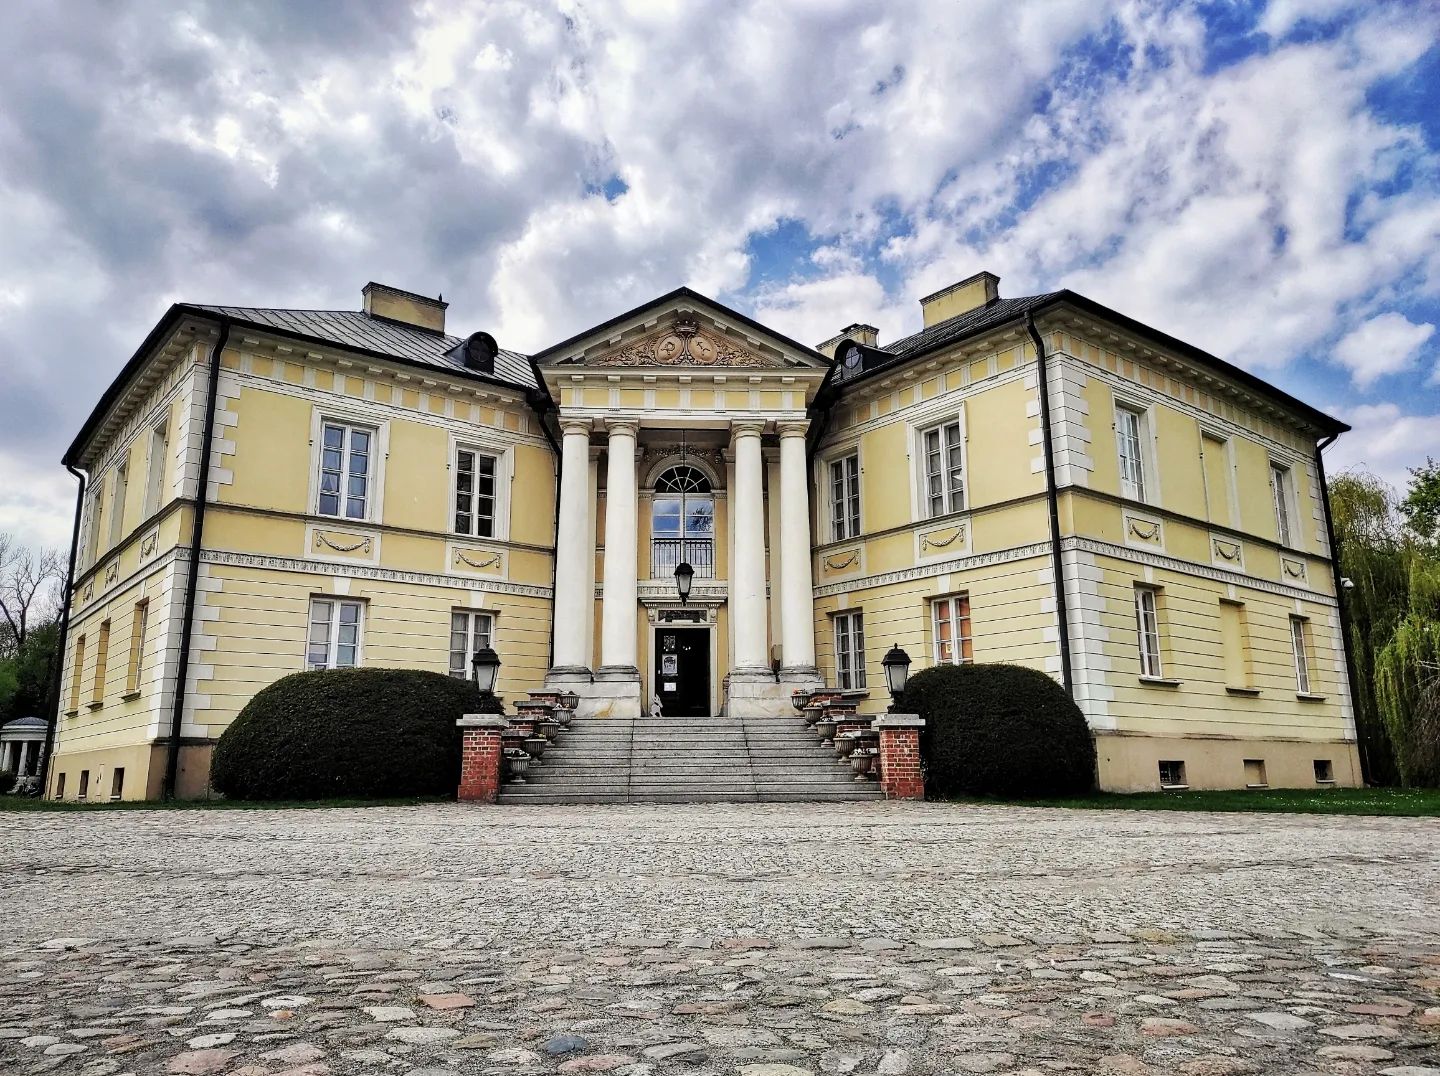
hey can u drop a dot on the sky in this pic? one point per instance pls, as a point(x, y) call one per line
point(1259, 179)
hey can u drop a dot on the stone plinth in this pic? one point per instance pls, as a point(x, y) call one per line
point(900, 776)
point(480, 757)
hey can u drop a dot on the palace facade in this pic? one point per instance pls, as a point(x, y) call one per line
point(1038, 480)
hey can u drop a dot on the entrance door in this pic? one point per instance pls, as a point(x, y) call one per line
point(682, 671)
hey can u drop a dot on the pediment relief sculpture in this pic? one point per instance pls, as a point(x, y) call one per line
point(683, 343)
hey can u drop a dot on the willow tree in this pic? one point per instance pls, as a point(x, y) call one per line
point(1407, 679)
point(1373, 552)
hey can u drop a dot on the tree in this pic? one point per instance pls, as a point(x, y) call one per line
point(1407, 675)
point(1421, 506)
point(29, 590)
point(1374, 554)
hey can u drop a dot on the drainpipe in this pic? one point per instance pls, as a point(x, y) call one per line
point(1365, 773)
point(1052, 499)
point(60, 645)
point(197, 527)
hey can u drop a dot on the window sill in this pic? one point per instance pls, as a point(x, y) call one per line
point(1160, 681)
point(129, 695)
point(1305, 696)
point(1253, 692)
point(1325, 784)
point(95, 705)
point(1257, 786)
point(1174, 788)
point(72, 713)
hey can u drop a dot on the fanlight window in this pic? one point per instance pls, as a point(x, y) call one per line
point(682, 523)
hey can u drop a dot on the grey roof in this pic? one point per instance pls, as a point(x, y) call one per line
point(967, 324)
point(27, 723)
point(380, 336)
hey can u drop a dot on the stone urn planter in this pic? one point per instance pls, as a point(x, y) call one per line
point(812, 713)
point(844, 746)
point(516, 763)
point(549, 728)
point(564, 715)
point(860, 762)
point(825, 729)
point(535, 747)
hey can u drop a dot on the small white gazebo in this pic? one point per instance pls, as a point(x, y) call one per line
point(22, 746)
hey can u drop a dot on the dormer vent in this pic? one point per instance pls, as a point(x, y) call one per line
point(476, 353)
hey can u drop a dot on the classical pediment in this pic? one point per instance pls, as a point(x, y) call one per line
point(682, 330)
point(683, 342)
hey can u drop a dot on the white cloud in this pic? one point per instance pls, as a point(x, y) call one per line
point(1386, 344)
point(1385, 441)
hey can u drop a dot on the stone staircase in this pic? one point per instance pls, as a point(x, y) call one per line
point(688, 760)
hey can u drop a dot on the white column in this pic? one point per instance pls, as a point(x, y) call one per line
point(797, 608)
point(573, 604)
point(621, 598)
point(23, 769)
point(592, 497)
point(747, 554)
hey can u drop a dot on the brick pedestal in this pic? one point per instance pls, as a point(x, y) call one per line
point(480, 757)
point(900, 777)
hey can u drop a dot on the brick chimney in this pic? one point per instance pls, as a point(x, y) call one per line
point(861, 334)
point(393, 304)
point(969, 294)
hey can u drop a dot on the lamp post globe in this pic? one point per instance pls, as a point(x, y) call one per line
point(486, 664)
point(897, 671)
point(684, 577)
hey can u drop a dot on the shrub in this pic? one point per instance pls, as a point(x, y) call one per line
point(7, 781)
point(1000, 730)
point(346, 732)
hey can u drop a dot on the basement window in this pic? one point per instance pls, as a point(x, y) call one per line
point(1172, 775)
point(117, 784)
point(84, 785)
point(1255, 773)
point(1324, 771)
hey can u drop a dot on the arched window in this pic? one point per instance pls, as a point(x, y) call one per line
point(682, 523)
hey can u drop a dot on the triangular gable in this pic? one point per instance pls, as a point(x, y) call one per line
point(683, 329)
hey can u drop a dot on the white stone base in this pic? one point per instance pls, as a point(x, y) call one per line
point(758, 695)
point(615, 696)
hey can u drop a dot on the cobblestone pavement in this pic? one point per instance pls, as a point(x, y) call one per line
point(758, 940)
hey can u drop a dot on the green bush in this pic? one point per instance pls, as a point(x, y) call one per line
point(346, 733)
point(1000, 730)
point(7, 781)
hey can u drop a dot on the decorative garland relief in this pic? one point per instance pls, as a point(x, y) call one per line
point(1138, 529)
point(929, 541)
point(847, 562)
point(340, 547)
point(486, 562)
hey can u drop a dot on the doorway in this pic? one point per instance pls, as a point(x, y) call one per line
point(682, 671)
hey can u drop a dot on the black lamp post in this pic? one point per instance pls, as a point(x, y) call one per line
point(487, 670)
point(684, 576)
point(897, 671)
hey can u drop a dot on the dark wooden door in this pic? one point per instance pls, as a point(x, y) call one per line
point(682, 671)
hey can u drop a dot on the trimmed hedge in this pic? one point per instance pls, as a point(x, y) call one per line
point(343, 733)
point(1000, 730)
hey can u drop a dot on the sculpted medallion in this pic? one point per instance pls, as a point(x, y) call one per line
point(682, 343)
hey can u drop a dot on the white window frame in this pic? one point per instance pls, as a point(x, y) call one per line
point(1147, 632)
point(1300, 649)
point(957, 650)
point(155, 467)
point(119, 490)
point(953, 499)
point(379, 430)
point(467, 622)
point(846, 511)
point(1143, 490)
point(849, 628)
point(1282, 495)
point(333, 624)
point(95, 516)
point(504, 458)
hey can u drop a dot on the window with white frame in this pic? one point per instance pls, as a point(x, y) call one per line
point(475, 492)
point(1129, 442)
point(943, 457)
point(92, 539)
point(155, 467)
point(950, 619)
point(117, 503)
point(850, 650)
point(1299, 644)
point(346, 466)
point(335, 631)
point(1147, 624)
point(470, 632)
point(1280, 491)
point(845, 497)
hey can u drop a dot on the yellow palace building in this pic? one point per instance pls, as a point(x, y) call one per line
point(1039, 480)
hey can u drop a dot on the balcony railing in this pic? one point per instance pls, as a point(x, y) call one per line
point(667, 553)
